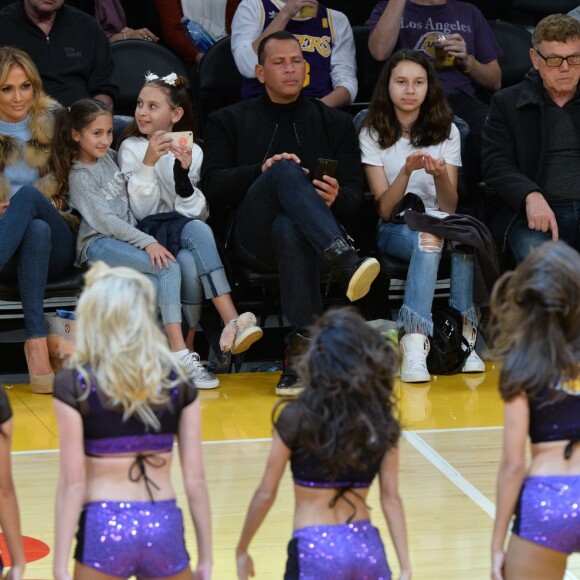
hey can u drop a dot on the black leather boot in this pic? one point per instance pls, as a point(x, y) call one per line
point(289, 384)
point(354, 273)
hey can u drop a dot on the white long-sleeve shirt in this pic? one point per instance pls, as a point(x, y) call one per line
point(248, 24)
point(152, 189)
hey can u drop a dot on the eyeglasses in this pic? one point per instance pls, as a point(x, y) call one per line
point(556, 61)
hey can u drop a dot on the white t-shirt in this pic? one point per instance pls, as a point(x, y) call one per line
point(393, 158)
point(211, 14)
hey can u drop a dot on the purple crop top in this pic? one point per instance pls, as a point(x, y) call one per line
point(555, 420)
point(307, 468)
point(105, 432)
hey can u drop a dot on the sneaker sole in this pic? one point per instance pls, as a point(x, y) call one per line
point(207, 385)
point(415, 378)
point(289, 391)
point(472, 369)
point(361, 280)
point(246, 338)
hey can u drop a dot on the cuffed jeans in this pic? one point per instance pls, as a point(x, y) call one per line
point(522, 240)
point(167, 280)
point(415, 315)
point(283, 225)
point(36, 244)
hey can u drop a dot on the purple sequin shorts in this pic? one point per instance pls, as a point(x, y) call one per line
point(132, 538)
point(548, 512)
point(351, 551)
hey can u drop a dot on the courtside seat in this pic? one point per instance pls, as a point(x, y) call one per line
point(529, 12)
point(70, 284)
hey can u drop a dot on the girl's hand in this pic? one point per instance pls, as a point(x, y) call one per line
point(202, 572)
point(415, 161)
point(159, 255)
point(64, 575)
point(497, 564)
point(183, 155)
point(15, 573)
point(405, 575)
point(3, 207)
point(159, 145)
point(245, 566)
point(435, 167)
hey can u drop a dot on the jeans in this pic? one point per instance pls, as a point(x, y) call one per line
point(415, 315)
point(283, 225)
point(36, 244)
point(522, 240)
point(167, 280)
point(197, 238)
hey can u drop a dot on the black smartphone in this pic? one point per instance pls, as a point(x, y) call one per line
point(325, 167)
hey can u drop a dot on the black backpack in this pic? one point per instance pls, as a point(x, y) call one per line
point(448, 347)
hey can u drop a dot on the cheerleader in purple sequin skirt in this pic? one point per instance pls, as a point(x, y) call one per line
point(338, 435)
point(536, 333)
point(119, 407)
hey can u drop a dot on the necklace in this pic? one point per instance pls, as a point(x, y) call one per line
point(406, 130)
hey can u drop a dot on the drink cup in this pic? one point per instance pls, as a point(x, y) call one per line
point(308, 11)
point(442, 59)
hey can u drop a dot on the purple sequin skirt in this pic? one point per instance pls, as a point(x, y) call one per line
point(548, 512)
point(351, 551)
point(132, 538)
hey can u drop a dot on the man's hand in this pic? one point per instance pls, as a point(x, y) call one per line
point(326, 189)
point(454, 44)
point(540, 216)
point(279, 157)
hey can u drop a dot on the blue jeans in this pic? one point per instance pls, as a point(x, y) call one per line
point(283, 225)
point(167, 280)
point(400, 241)
point(36, 244)
point(197, 238)
point(522, 240)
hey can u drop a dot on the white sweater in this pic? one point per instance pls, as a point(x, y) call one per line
point(152, 189)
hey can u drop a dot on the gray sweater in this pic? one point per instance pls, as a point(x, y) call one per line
point(99, 193)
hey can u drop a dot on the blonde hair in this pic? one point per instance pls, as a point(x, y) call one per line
point(120, 343)
point(9, 57)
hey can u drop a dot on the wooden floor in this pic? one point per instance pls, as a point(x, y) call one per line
point(449, 459)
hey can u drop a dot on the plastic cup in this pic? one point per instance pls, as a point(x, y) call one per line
point(442, 58)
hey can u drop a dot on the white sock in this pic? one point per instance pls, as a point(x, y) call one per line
point(181, 353)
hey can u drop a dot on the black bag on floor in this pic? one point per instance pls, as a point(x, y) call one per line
point(448, 347)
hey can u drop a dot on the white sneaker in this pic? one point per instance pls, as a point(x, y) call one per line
point(201, 377)
point(473, 364)
point(415, 348)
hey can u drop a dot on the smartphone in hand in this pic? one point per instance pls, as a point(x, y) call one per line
point(181, 138)
point(325, 167)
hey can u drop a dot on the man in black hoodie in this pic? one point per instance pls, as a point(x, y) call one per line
point(259, 160)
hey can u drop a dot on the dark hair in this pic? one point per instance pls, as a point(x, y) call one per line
point(78, 117)
point(556, 28)
point(535, 323)
point(347, 407)
point(433, 125)
point(177, 97)
point(278, 35)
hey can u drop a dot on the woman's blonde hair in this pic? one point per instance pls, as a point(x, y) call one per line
point(120, 344)
point(9, 57)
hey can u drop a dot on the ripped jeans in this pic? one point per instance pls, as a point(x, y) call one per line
point(424, 257)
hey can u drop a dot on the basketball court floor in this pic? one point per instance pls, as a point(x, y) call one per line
point(450, 452)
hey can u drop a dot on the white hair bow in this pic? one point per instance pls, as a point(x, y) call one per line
point(167, 79)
